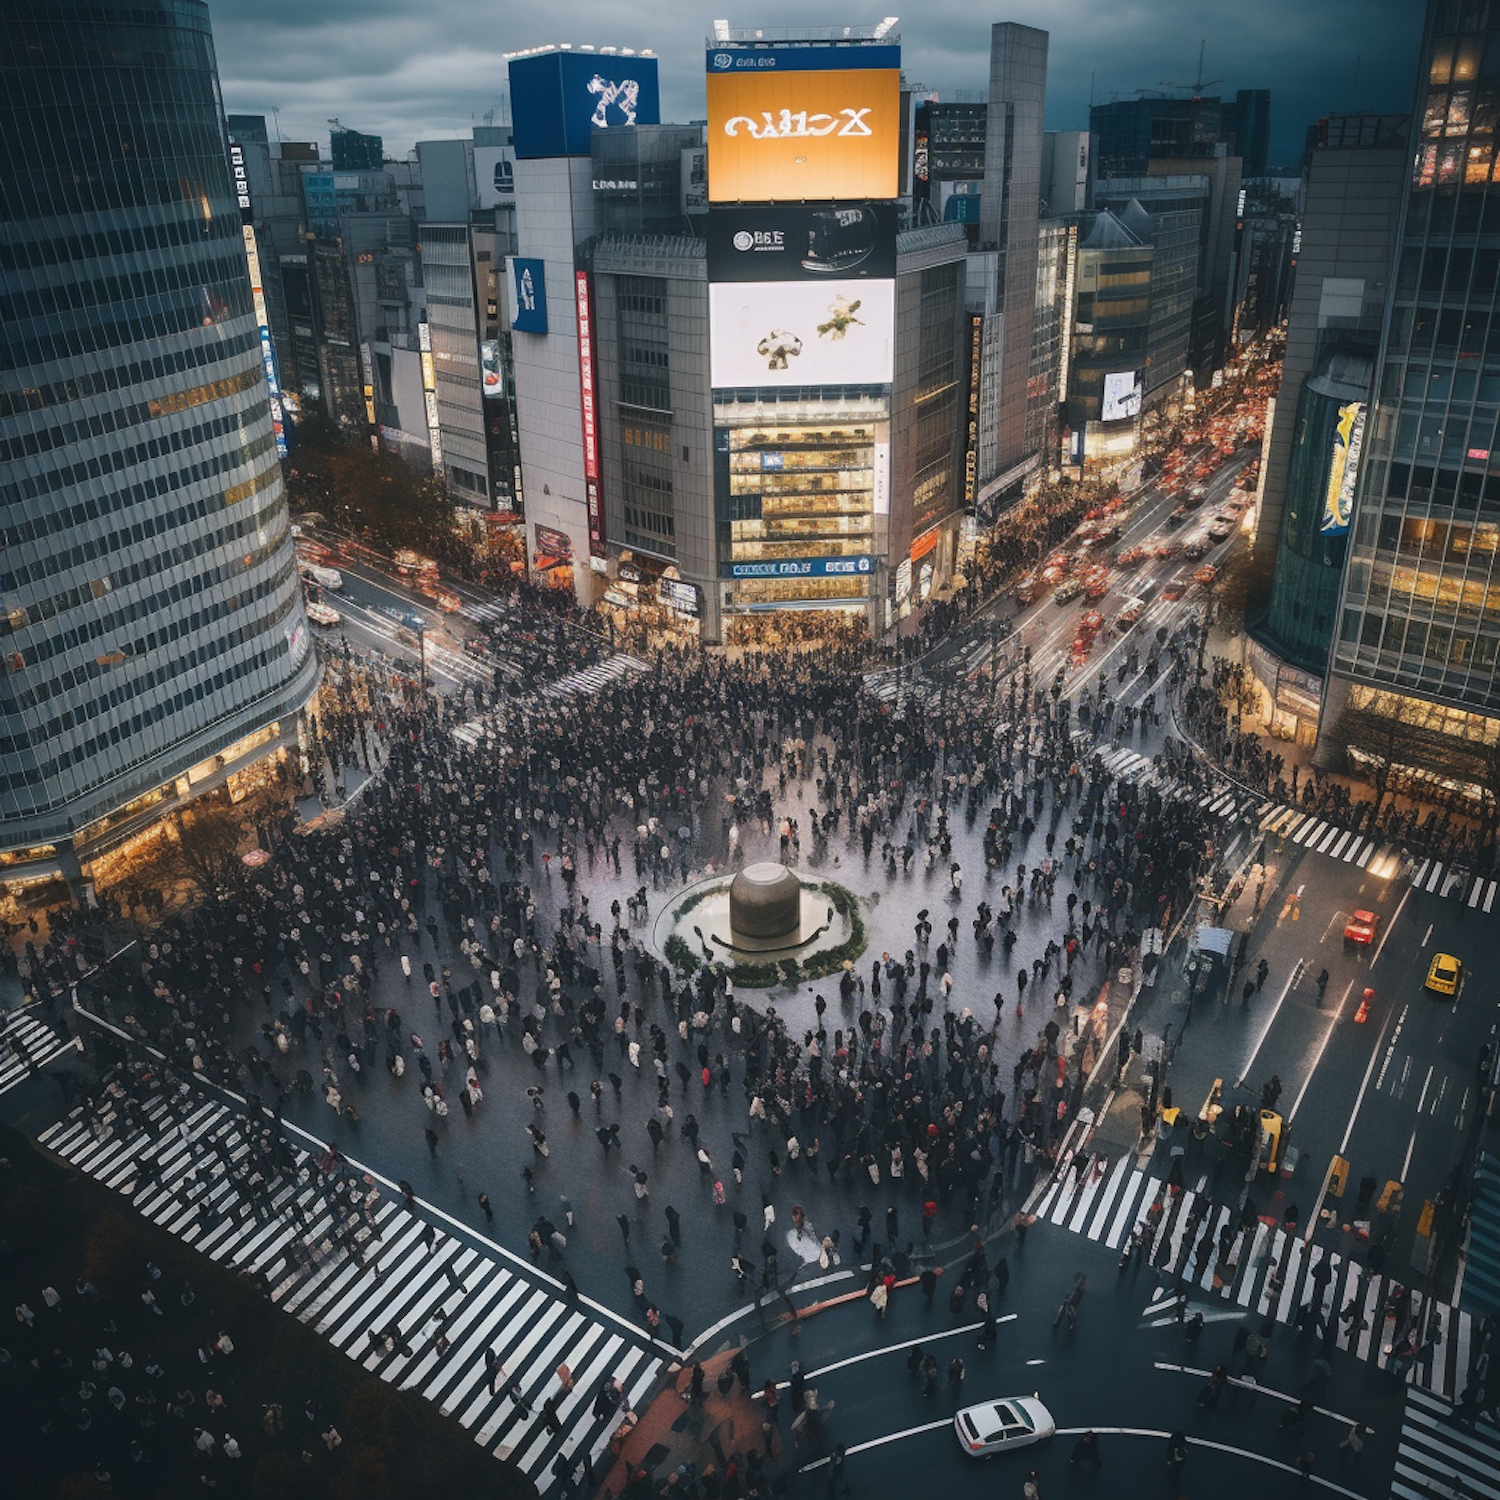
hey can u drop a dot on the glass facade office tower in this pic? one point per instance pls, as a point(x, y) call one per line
point(149, 597)
point(1416, 652)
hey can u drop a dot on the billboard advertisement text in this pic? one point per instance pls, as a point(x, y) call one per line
point(558, 99)
point(788, 137)
point(1122, 396)
point(528, 304)
point(779, 333)
point(803, 242)
point(806, 567)
point(800, 59)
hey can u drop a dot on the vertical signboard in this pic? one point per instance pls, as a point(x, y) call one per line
point(257, 294)
point(971, 439)
point(429, 397)
point(528, 301)
point(1343, 468)
point(589, 401)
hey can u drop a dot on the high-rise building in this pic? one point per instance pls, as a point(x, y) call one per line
point(353, 152)
point(1416, 650)
point(1246, 126)
point(1009, 209)
point(154, 634)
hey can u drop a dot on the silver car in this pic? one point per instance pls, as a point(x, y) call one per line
point(999, 1426)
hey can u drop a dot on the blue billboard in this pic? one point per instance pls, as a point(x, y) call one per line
point(528, 295)
point(806, 567)
point(558, 99)
point(790, 59)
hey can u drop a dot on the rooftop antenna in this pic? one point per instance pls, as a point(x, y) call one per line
point(275, 116)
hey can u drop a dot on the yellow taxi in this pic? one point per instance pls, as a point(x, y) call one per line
point(1445, 974)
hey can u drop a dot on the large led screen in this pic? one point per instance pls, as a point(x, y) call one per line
point(1122, 396)
point(771, 333)
point(790, 137)
point(558, 99)
point(803, 242)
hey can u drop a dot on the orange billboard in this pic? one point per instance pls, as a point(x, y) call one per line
point(788, 136)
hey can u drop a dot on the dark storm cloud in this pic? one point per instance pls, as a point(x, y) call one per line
point(412, 69)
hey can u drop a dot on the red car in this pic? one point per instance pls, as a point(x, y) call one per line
point(1361, 928)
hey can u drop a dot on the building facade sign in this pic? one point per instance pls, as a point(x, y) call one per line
point(806, 567)
point(803, 242)
point(589, 393)
point(528, 295)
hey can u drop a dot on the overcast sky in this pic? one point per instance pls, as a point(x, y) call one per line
point(412, 70)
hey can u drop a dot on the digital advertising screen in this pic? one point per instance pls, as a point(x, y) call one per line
point(491, 372)
point(558, 99)
point(791, 136)
point(1343, 469)
point(791, 333)
point(1122, 396)
point(803, 242)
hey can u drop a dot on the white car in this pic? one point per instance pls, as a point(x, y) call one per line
point(998, 1426)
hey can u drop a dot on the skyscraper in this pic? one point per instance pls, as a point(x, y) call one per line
point(1416, 650)
point(151, 609)
point(1352, 190)
point(1009, 208)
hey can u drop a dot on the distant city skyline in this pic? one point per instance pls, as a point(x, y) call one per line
point(408, 71)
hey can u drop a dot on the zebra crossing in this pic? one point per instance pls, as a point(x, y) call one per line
point(1477, 892)
point(1224, 804)
point(1438, 1460)
point(25, 1045)
point(1296, 828)
point(587, 681)
point(449, 1301)
point(1267, 1273)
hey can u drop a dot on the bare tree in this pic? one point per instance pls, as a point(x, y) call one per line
point(208, 846)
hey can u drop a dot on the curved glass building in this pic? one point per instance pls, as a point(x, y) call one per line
point(149, 599)
point(1310, 548)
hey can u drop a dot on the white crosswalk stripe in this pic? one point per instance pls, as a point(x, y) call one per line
point(1439, 879)
point(28, 1044)
point(182, 1172)
point(589, 680)
point(1267, 1270)
point(1438, 1459)
point(1299, 829)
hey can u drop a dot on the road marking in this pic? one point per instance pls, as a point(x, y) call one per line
point(749, 1307)
point(1390, 926)
point(1426, 935)
point(855, 1359)
point(1406, 1165)
point(1286, 989)
point(1197, 1442)
point(1322, 1047)
point(1425, 1083)
point(1031, 1362)
point(1252, 1385)
point(890, 1437)
point(1360, 1098)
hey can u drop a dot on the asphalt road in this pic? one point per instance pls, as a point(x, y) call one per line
point(1125, 1373)
point(1394, 1096)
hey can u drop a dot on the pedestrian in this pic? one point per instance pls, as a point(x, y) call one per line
point(1031, 1486)
point(1086, 1451)
point(1177, 1454)
point(956, 1379)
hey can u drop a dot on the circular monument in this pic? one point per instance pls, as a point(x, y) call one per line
point(765, 901)
point(756, 919)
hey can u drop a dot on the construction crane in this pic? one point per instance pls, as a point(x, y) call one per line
point(1197, 87)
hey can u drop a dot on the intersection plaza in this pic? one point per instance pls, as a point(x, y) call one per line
point(428, 1078)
